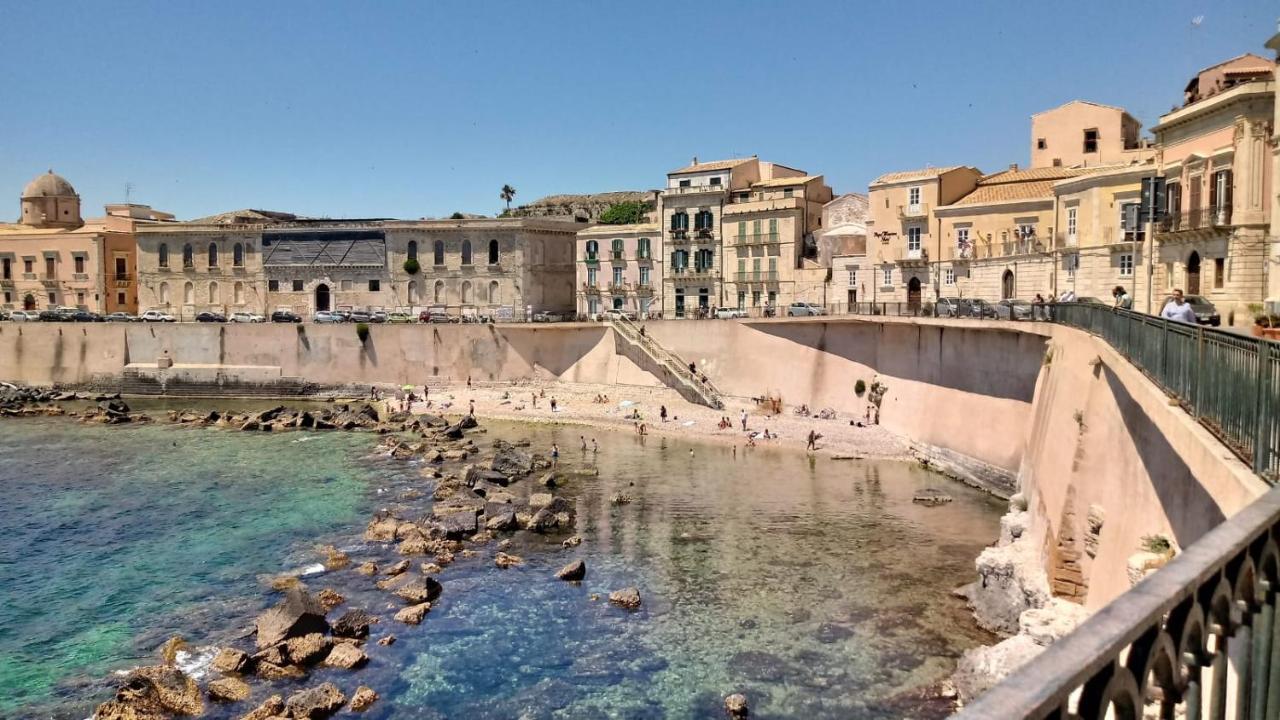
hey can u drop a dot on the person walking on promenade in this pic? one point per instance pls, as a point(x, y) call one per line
point(744, 419)
point(662, 413)
point(534, 398)
point(1178, 310)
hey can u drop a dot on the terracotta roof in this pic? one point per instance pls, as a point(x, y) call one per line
point(714, 165)
point(1006, 192)
point(908, 175)
point(1028, 174)
point(1262, 62)
point(785, 181)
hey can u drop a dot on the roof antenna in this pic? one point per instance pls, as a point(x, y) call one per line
point(128, 192)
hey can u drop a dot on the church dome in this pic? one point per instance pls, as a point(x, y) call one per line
point(48, 185)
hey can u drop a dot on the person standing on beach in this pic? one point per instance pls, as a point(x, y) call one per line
point(583, 438)
point(812, 444)
point(472, 408)
point(468, 382)
point(553, 403)
point(534, 397)
point(662, 412)
point(594, 448)
point(744, 419)
point(555, 454)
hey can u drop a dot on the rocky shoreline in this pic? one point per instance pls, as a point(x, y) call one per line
point(474, 506)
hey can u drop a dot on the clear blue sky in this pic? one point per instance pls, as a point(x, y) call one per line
point(422, 108)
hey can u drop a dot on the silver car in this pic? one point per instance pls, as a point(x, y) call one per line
point(324, 316)
point(24, 316)
point(802, 309)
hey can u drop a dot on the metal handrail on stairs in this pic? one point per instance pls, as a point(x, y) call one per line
point(673, 363)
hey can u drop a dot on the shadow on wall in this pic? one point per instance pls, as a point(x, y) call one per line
point(555, 350)
point(1191, 510)
point(933, 354)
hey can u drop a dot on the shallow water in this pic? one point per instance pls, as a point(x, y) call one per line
point(814, 586)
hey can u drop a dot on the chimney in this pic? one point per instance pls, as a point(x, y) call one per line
point(695, 160)
point(1013, 167)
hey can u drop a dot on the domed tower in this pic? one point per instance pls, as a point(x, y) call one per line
point(50, 201)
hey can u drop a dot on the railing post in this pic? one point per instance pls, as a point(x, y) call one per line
point(1262, 409)
point(1199, 376)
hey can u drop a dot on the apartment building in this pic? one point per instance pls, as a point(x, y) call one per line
point(1085, 134)
point(1101, 241)
point(1217, 154)
point(264, 261)
point(53, 257)
point(620, 267)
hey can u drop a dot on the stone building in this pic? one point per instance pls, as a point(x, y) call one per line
point(1099, 243)
point(500, 268)
point(1084, 134)
point(53, 257)
point(620, 267)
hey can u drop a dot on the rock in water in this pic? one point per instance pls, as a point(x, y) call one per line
point(413, 614)
point(346, 656)
point(363, 698)
point(270, 708)
point(353, 624)
point(510, 460)
point(228, 689)
point(573, 572)
point(152, 693)
point(330, 599)
point(307, 649)
point(931, 496)
point(735, 706)
point(316, 703)
point(297, 614)
point(367, 568)
point(628, 598)
point(230, 660)
point(416, 588)
point(505, 561)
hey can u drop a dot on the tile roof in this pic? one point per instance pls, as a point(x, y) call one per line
point(341, 249)
point(1005, 192)
point(785, 181)
point(907, 175)
point(1028, 174)
point(714, 165)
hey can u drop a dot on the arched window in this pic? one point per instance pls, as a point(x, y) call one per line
point(238, 293)
point(437, 251)
point(413, 250)
point(438, 295)
point(213, 255)
point(163, 254)
point(188, 258)
point(466, 253)
point(466, 292)
point(213, 293)
point(494, 299)
point(189, 294)
point(164, 293)
point(493, 252)
point(237, 255)
point(413, 292)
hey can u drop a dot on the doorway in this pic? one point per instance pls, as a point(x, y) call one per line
point(322, 297)
point(28, 302)
point(913, 294)
point(1193, 273)
point(1006, 285)
point(679, 303)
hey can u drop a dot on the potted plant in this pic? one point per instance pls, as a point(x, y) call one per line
point(411, 266)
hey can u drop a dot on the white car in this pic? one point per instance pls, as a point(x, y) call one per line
point(324, 316)
point(246, 317)
point(730, 313)
point(156, 316)
point(802, 309)
point(24, 316)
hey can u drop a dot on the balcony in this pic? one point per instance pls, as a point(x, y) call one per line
point(964, 253)
point(679, 274)
point(79, 277)
point(644, 255)
point(618, 256)
point(1209, 218)
point(679, 235)
point(1121, 239)
point(617, 288)
point(590, 289)
point(758, 276)
point(643, 288)
point(49, 281)
point(592, 259)
point(123, 281)
point(913, 211)
point(913, 257)
point(755, 239)
point(28, 276)
point(694, 189)
point(704, 234)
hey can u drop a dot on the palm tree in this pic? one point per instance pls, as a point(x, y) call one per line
point(508, 193)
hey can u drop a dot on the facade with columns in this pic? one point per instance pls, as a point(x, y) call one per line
point(500, 268)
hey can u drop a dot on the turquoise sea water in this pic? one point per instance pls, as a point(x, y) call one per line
point(816, 587)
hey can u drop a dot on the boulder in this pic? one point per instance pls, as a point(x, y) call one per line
point(381, 529)
point(389, 639)
point(276, 655)
point(363, 698)
point(412, 615)
point(399, 568)
point(467, 422)
point(274, 672)
point(474, 475)
point(270, 708)
point(231, 660)
point(983, 667)
point(346, 656)
point(432, 421)
point(572, 541)
point(415, 589)
point(735, 706)
point(573, 572)
point(459, 524)
point(453, 432)
point(158, 691)
point(297, 614)
point(367, 568)
point(505, 561)
point(510, 460)
point(315, 703)
point(628, 598)
point(228, 689)
point(353, 624)
point(414, 546)
point(308, 649)
point(329, 599)
point(500, 519)
point(537, 501)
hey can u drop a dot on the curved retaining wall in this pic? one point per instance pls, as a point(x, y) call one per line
point(1102, 457)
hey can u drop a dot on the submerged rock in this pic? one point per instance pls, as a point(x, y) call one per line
point(346, 656)
point(353, 624)
point(735, 706)
point(363, 698)
point(270, 708)
point(416, 589)
point(505, 561)
point(411, 615)
point(231, 660)
point(930, 496)
point(510, 460)
point(628, 598)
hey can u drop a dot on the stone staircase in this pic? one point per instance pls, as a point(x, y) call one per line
point(663, 364)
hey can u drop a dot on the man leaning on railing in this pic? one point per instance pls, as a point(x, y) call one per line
point(1177, 309)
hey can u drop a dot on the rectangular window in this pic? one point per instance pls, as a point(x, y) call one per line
point(297, 286)
point(788, 192)
point(773, 229)
point(28, 265)
point(755, 265)
point(913, 239)
point(715, 181)
point(1071, 263)
point(742, 265)
point(949, 277)
point(79, 260)
point(888, 277)
point(685, 183)
point(79, 299)
point(50, 267)
point(1041, 144)
point(6, 269)
point(375, 285)
point(963, 249)
point(53, 298)
point(644, 274)
point(1126, 265)
point(617, 276)
point(8, 297)
point(773, 297)
point(755, 228)
point(853, 277)
point(742, 228)
point(122, 269)
point(120, 298)
point(913, 196)
point(1219, 272)
point(591, 276)
point(742, 299)
point(1071, 224)
point(755, 298)
point(1091, 140)
point(273, 286)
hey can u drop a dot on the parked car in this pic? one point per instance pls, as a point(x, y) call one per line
point(619, 313)
point(285, 316)
point(730, 313)
point(360, 316)
point(156, 316)
point(246, 317)
point(399, 318)
point(211, 317)
point(547, 317)
point(803, 309)
point(947, 307)
point(343, 314)
point(24, 316)
point(1206, 313)
point(981, 309)
point(51, 316)
point(86, 316)
point(119, 316)
point(436, 316)
point(378, 316)
point(324, 316)
point(1013, 310)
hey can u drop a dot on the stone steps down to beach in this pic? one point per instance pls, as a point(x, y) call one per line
point(470, 503)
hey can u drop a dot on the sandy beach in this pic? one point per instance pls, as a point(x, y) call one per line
point(576, 404)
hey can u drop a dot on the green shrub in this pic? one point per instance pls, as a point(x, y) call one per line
point(411, 266)
point(1267, 320)
point(859, 388)
point(362, 331)
point(623, 213)
point(1157, 544)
